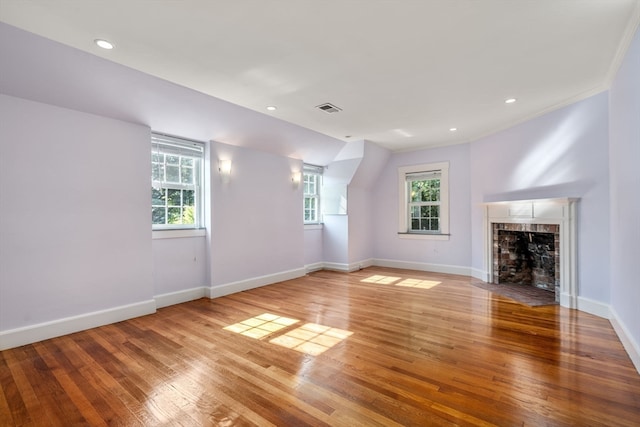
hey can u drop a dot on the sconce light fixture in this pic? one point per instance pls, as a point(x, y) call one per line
point(296, 177)
point(224, 167)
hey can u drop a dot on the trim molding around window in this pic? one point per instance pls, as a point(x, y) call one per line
point(437, 206)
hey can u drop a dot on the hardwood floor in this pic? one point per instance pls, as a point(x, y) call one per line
point(378, 347)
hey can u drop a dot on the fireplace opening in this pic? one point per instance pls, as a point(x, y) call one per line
point(527, 259)
point(527, 255)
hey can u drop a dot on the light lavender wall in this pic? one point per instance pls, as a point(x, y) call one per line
point(256, 224)
point(360, 203)
point(179, 264)
point(313, 244)
point(561, 154)
point(335, 237)
point(75, 226)
point(624, 161)
point(454, 252)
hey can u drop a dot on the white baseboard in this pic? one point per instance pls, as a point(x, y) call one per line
point(480, 274)
point(629, 344)
point(42, 331)
point(348, 268)
point(309, 268)
point(172, 298)
point(422, 266)
point(335, 266)
point(255, 282)
point(593, 307)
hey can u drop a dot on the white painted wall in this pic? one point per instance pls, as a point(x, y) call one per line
point(75, 228)
point(624, 161)
point(361, 207)
point(388, 246)
point(313, 244)
point(561, 154)
point(335, 237)
point(179, 264)
point(256, 224)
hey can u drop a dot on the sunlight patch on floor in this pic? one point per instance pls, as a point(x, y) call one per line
point(383, 280)
point(260, 326)
point(417, 283)
point(312, 339)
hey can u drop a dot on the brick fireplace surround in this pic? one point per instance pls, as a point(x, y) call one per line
point(557, 216)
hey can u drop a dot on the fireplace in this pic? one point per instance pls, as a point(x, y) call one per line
point(533, 243)
point(527, 255)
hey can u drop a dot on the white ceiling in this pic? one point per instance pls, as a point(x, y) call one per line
point(403, 72)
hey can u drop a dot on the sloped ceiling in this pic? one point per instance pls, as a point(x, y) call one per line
point(403, 72)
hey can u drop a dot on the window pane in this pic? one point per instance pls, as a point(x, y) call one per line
point(188, 215)
point(173, 160)
point(158, 215)
point(157, 172)
point(435, 225)
point(173, 173)
point(157, 157)
point(173, 197)
point(157, 197)
point(173, 216)
point(186, 161)
point(187, 175)
point(188, 197)
point(415, 224)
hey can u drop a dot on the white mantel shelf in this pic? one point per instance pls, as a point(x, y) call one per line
point(560, 211)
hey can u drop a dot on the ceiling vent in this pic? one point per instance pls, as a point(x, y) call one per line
point(328, 108)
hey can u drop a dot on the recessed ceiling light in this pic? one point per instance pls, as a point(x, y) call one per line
point(453, 129)
point(509, 101)
point(272, 107)
point(103, 44)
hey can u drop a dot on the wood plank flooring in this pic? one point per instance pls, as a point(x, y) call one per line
point(378, 347)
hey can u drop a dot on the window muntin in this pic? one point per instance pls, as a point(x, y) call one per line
point(312, 181)
point(424, 200)
point(176, 187)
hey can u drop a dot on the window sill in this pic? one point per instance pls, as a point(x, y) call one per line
point(177, 234)
point(423, 236)
point(313, 226)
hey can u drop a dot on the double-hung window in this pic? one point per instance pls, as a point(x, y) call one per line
point(424, 200)
point(312, 182)
point(176, 182)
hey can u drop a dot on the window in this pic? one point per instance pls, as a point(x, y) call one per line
point(424, 201)
point(312, 180)
point(176, 182)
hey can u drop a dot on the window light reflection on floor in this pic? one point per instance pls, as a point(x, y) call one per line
point(260, 326)
point(417, 283)
point(409, 283)
point(312, 339)
point(383, 280)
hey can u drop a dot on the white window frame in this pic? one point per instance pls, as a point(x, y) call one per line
point(316, 171)
point(404, 212)
point(188, 149)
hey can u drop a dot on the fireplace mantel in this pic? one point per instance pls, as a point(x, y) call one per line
point(560, 211)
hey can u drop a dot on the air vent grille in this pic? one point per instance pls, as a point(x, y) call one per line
point(328, 108)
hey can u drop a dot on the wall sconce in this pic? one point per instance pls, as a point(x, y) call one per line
point(296, 177)
point(224, 167)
